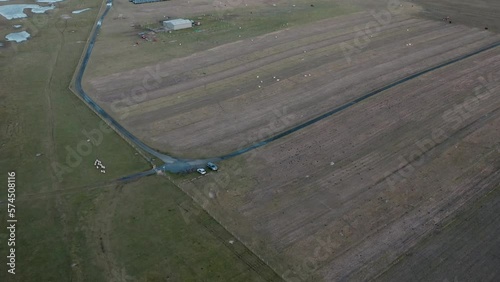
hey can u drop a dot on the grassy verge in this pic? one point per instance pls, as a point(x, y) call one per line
point(183, 244)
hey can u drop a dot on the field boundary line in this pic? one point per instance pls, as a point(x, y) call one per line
point(232, 249)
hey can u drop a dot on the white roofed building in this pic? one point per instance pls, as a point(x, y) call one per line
point(177, 24)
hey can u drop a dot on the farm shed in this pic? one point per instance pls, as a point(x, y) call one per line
point(177, 24)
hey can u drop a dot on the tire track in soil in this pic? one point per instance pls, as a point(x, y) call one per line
point(61, 206)
point(100, 231)
point(47, 91)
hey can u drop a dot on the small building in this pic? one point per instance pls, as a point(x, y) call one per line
point(177, 24)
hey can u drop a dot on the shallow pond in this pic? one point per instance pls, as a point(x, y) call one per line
point(18, 36)
point(16, 11)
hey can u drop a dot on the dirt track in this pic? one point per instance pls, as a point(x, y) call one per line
point(346, 201)
point(212, 103)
